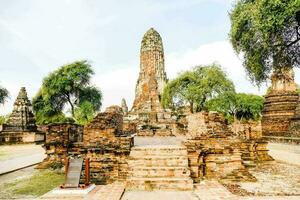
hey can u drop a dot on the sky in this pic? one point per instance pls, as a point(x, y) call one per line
point(37, 37)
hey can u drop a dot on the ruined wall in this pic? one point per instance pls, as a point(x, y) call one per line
point(216, 153)
point(247, 129)
point(60, 139)
point(207, 123)
point(102, 141)
point(107, 146)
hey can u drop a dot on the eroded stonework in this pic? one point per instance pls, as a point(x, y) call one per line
point(20, 126)
point(206, 146)
point(102, 141)
point(152, 76)
point(147, 116)
point(216, 153)
point(279, 106)
point(294, 127)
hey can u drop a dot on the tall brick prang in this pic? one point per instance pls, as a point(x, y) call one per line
point(152, 76)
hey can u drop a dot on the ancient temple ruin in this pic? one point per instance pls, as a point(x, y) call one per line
point(20, 126)
point(152, 76)
point(147, 113)
point(205, 146)
point(279, 107)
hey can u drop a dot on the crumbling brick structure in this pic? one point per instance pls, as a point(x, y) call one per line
point(147, 114)
point(107, 146)
point(102, 141)
point(60, 140)
point(216, 153)
point(279, 107)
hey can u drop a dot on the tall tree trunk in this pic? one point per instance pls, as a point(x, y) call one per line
point(191, 107)
point(71, 104)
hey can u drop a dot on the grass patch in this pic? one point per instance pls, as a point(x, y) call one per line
point(36, 185)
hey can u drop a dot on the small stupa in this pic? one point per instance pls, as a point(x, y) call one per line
point(20, 126)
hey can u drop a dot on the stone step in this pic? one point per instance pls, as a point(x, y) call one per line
point(160, 183)
point(152, 172)
point(148, 161)
point(158, 150)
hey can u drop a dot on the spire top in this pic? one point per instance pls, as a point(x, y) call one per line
point(151, 41)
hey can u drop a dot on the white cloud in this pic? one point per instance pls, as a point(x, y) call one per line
point(117, 84)
point(220, 52)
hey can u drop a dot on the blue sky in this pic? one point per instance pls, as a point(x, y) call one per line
point(37, 36)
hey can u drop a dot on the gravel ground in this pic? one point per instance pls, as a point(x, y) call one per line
point(277, 179)
point(285, 152)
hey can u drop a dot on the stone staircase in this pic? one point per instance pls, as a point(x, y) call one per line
point(159, 167)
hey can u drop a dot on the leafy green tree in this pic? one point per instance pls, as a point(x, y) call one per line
point(84, 113)
point(46, 112)
point(68, 85)
point(2, 119)
point(237, 106)
point(267, 34)
point(3, 95)
point(194, 88)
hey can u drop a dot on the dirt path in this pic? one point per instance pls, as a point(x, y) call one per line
point(285, 152)
point(18, 156)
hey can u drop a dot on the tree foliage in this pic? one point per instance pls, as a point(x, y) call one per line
point(3, 95)
point(2, 119)
point(194, 88)
point(238, 106)
point(84, 113)
point(267, 33)
point(67, 86)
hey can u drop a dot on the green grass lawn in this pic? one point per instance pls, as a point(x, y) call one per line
point(40, 183)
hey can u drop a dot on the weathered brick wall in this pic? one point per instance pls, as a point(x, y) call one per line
point(103, 129)
point(294, 128)
point(59, 140)
point(102, 141)
point(107, 146)
point(214, 152)
point(21, 137)
point(207, 123)
point(279, 108)
point(212, 157)
point(247, 129)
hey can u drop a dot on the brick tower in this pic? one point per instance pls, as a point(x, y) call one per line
point(147, 117)
point(152, 76)
point(279, 106)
